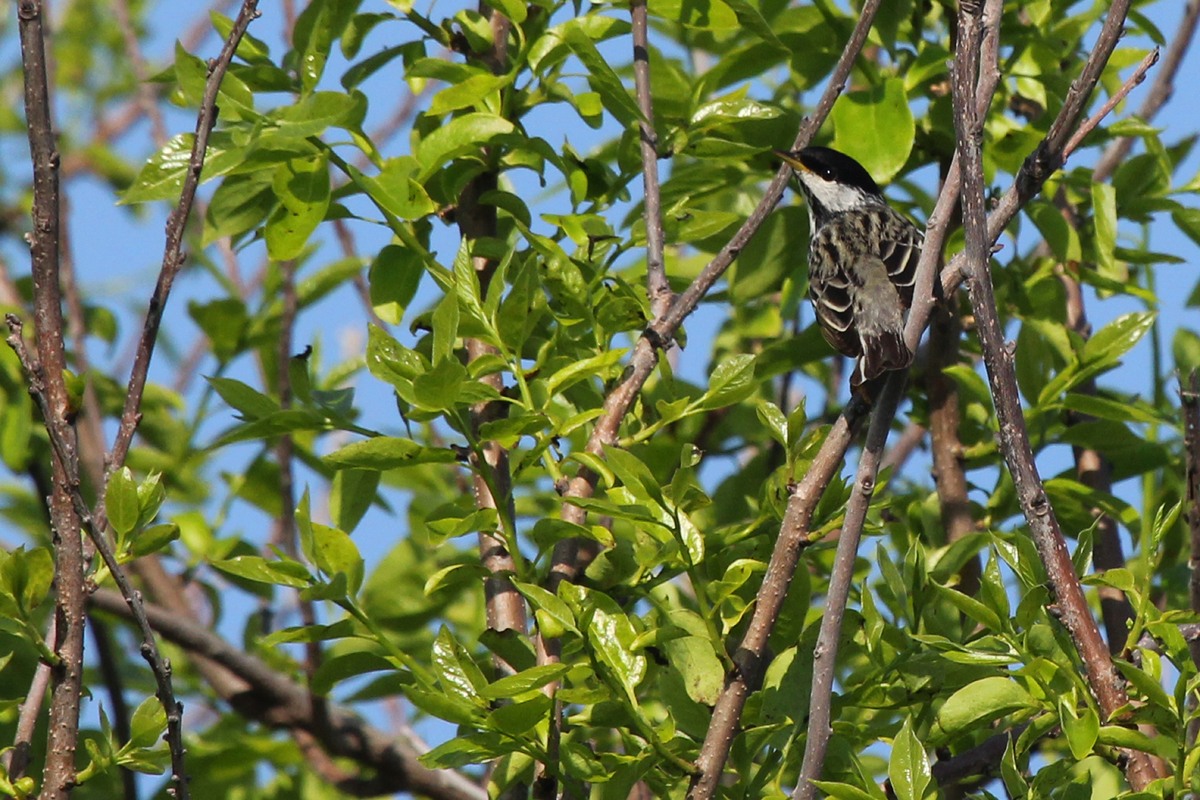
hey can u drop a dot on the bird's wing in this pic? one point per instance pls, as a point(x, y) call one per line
point(831, 298)
point(900, 249)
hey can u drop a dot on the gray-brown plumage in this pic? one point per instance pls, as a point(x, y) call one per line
point(862, 259)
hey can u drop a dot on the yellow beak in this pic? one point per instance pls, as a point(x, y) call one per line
point(790, 160)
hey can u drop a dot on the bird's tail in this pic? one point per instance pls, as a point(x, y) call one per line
point(880, 352)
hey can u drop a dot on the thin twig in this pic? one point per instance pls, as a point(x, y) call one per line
point(1076, 615)
point(938, 225)
point(820, 709)
point(16, 759)
point(172, 256)
point(657, 286)
point(1160, 91)
point(1094, 121)
point(751, 658)
point(49, 391)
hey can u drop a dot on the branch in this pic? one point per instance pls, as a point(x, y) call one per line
point(48, 388)
point(1160, 91)
point(657, 287)
point(949, 475)
point(62, 448)
point(1190, 400)
point(820, 709)
point(16, 759)
point(1093, 121)
point(1048, 157)
point(979, 761)
point(172, 256)
point(276, 700)
point(59, 771)
point(1102, 676)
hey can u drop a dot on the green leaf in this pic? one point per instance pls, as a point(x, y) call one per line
point(982, 702)
point(467, 93)
point(842, 791)
point(752, 20)
point(153, 539)
point(352, 493)
point(1116, 736)
point(260, 570)
point(302, 187)
point(161, 178)
point(439, 388)
point(553, 615)
point(224, 322)
point(1188, 220)
point(518, 718)
point(336, 554)
point(342, 629)
point(1081, 731)
point(1104, 408)
point(697, 662)
point(321, 22)
point(454, 668)
point(1104, 207)
point(387, 452)
point(147, 724)
point(397, 191)
point(249, 402)
point(1118, 337)
point(602, 365)
point(1058, 232)
point(121, 501)
point(731, 382)
point(458, 136)
point(876, 128)
point(394, 277)
point(312, 114)
point(908, 769)
point(526, 681)
point(465, 750)
point(635, 475)
point(337, 668)
point(613, 94)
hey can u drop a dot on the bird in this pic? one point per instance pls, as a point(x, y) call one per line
point(862, 261)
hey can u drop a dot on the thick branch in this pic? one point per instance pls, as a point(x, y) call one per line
point(275, 700)
point(1190, 398)
point(59, 773)
point(1014, 438)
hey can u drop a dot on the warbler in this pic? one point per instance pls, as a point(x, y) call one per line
point(862, 261)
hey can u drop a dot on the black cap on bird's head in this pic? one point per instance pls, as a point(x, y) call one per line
point(830, 165)
point(833, 182)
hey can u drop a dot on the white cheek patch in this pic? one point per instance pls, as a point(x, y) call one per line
point(832, 196)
